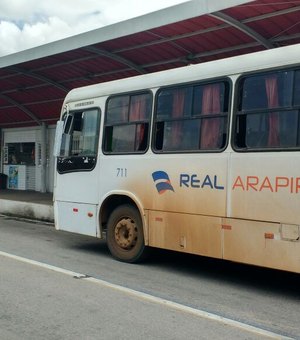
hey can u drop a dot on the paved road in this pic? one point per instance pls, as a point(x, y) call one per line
point(172, 296)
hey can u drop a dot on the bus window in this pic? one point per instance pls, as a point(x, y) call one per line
point(267, 117)
point(79, 141)
point(191, 118)
point(272, 90)
point(297, 89)
point(127, 123)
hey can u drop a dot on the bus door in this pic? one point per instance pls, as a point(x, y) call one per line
point(75, 193)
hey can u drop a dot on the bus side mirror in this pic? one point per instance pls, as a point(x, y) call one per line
point(58, 138)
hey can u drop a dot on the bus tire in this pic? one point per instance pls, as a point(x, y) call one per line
point(124, 235)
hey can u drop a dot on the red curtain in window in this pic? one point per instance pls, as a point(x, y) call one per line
point(138, 107)
point(177, 112)
point(138, 112)
point(210, 127)
point(272, 95)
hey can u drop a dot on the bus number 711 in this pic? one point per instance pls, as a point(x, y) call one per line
point(121, 172)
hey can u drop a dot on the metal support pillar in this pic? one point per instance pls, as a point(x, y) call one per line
point(43, 157)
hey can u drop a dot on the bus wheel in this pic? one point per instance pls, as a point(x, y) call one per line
point(125, 236)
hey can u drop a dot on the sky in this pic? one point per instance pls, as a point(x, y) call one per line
point(29, 23)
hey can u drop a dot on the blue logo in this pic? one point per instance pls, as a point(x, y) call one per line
point(162, 181)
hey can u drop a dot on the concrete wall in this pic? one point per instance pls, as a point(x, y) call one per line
point(28, 210)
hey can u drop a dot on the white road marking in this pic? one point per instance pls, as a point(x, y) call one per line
point(151, 298)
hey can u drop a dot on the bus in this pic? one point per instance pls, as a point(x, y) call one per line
point(202, 159)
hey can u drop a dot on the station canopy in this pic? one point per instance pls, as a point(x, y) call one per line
point(34, 82)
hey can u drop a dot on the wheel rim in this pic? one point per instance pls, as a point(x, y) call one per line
point(126, 233)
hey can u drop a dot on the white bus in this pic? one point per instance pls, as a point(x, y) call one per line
point(203, 159)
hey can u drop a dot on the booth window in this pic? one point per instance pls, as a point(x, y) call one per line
point(20, 153)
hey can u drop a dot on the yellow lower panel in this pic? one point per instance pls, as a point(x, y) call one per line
point(260, 243)
point(186, 233)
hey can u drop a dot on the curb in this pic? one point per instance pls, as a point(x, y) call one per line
point(28, 210)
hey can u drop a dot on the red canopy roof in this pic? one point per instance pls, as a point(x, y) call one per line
point(32, 91)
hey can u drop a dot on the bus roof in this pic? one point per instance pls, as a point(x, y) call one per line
point(283, 56)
